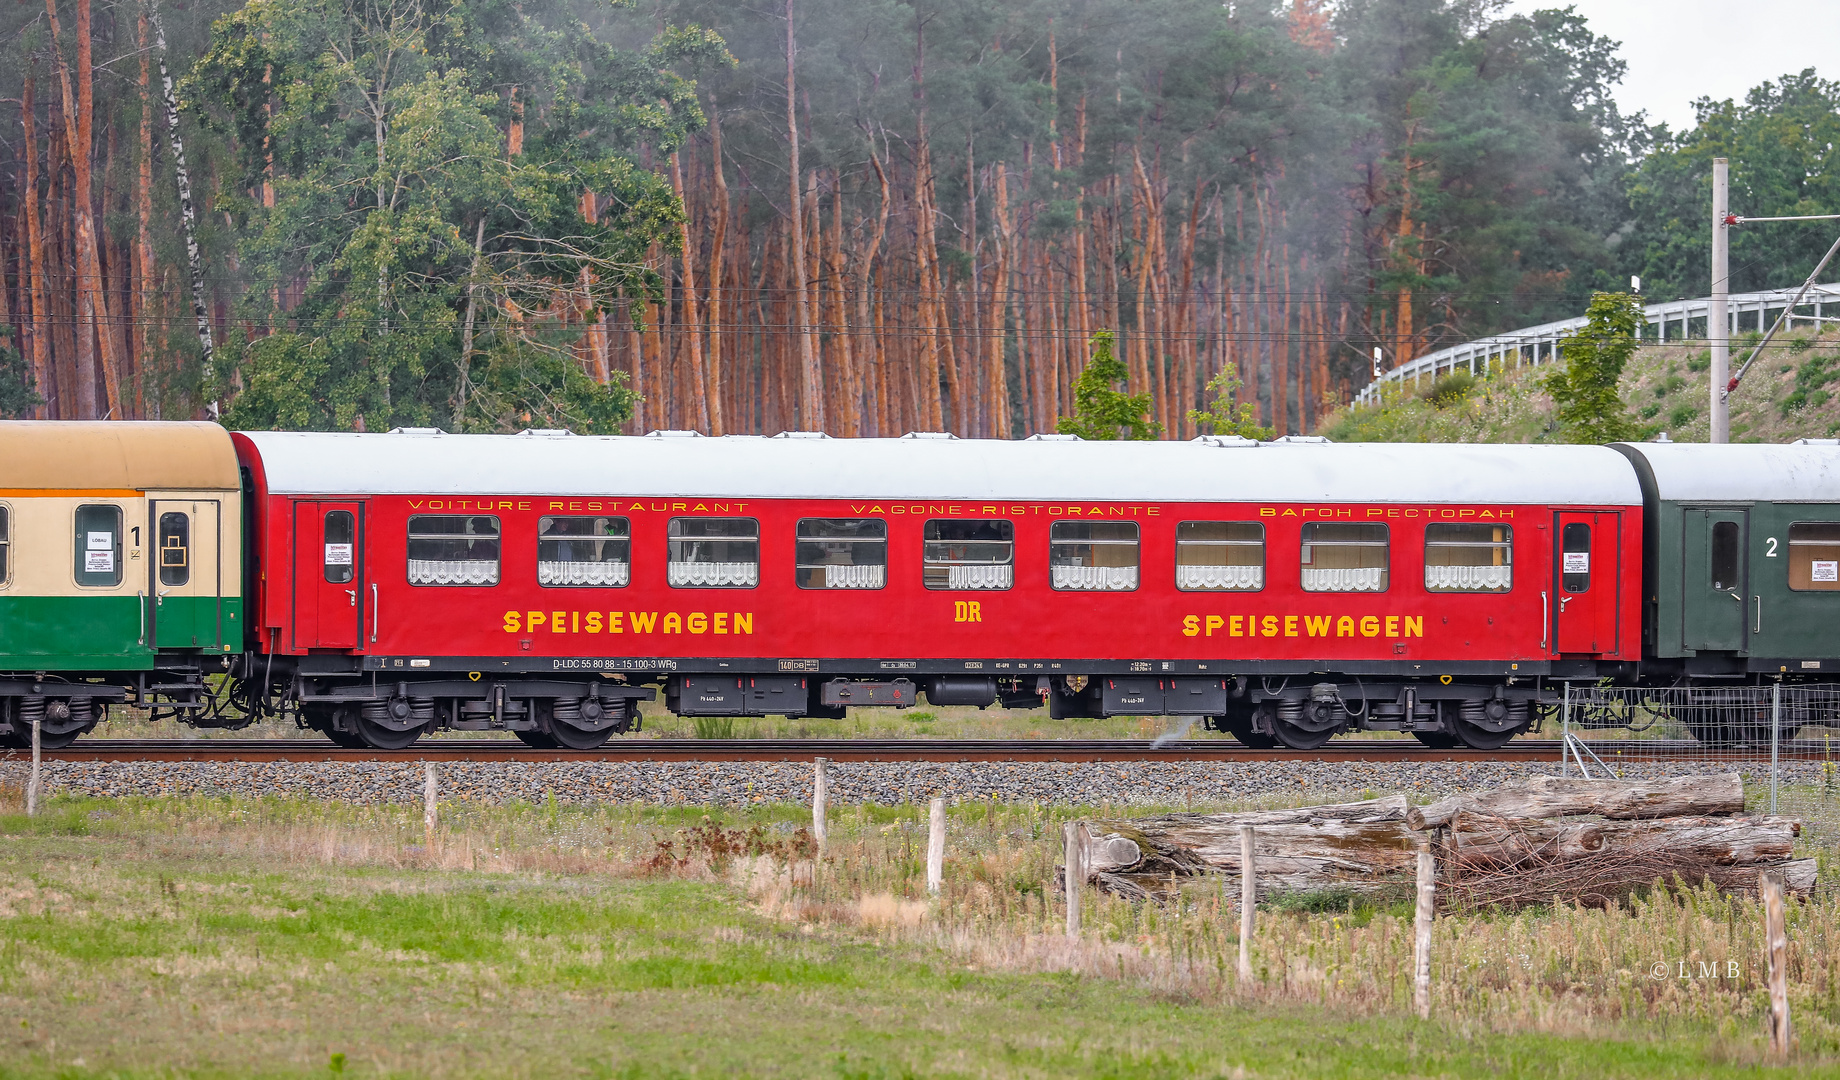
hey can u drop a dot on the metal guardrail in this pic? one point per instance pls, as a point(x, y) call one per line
point(1540, 344)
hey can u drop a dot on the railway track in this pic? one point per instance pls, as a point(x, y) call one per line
point(945, 750)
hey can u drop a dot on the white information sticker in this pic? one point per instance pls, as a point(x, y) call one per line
point(338, 554)
point(100, 541)
point(99, 562)
point(1826, 570)
point(1577, 562)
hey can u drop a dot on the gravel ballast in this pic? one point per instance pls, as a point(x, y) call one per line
point(1153, 783)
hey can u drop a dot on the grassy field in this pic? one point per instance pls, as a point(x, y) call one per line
point(167, 937)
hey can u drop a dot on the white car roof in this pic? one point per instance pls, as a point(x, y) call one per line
point(1805, 471)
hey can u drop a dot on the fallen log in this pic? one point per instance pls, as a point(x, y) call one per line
point(1553, 796)
point(1356, 846)
point(1477, 841)
point(1604, 878)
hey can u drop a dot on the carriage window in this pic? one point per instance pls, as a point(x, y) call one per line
point(1344, 557)
point(5, 548)
point(1725, 555)
point(1220, 556)
point(584, 551)
point(175, 548)
point(842, 553)
point(1575, 556)
point(1814, 556)
point(1093, 556)
point(452, 549)
point(1469, 558)
point(99, 546)
point(340, 535)
point(969, 554)
point(714, 552)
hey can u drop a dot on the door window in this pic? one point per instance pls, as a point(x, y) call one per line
point(1725, 555)
point(98, 546)
point(340, 536)
point(175, 548)
point(1575, 557)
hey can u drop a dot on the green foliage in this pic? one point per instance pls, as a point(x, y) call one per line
point(1585, 390)
point(18, 393)
point(1101, 412)
point(1811, 380)
point(1450, 390)
point(435, 276)
point(1700, 360)
point(1222, 416)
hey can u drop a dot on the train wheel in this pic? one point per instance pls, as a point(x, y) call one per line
point(574, 738)
point(1482, 738)
point(378, 737)
point(1241, 729)
point(1301, 738)
point(1436, 740)
point(535, 739)
point(47, 740)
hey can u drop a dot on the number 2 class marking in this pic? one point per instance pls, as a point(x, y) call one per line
point(1770, 554)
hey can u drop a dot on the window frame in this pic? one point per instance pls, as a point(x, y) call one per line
point(81, 538)
point(1791, 543)
point(1305, 543)
point(497, 537)
point(670, 539)
point(350, 566)
point(1135, 544)
point(1263, 543)
point(1566, 578)
point(626, 537)
point(929, 564)
point(799, 566)
point(1506, 545)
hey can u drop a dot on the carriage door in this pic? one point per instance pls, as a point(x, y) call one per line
point(1585, 575)
point(328, 574)
point(1714, 597)
point(187, 573)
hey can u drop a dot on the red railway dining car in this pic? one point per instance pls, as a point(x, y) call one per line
point(545, 583)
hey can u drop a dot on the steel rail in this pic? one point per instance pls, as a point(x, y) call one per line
point(934, 750)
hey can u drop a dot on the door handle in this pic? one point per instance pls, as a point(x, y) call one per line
point(1733, 593)
point(1563, 600)
point(1545, 619)
point(353, 593)
point(141, 603)
point(1757, 627)
point(376, 612)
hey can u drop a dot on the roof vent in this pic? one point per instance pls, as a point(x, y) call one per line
point(801, 435)
point(1816, 442)
point(673, 434)
point(1303, 440)
point(545, 432)
point(1227, 441)
point(1662, 438)
point(929, 435)
point(1045, 436)
point(417, 431)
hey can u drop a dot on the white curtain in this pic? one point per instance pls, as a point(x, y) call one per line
point(978, 576)
point(1095, 578)
point(1344, 579)
point(720, 573)
point(582, 573)
point(1220, 577)
point(1469, 578)
point(854, 577)
point(453, 571)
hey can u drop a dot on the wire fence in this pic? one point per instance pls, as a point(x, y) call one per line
point(1783, 739)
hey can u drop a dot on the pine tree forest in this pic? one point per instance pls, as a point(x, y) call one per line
point(862, 217)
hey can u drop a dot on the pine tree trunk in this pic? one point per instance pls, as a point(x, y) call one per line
point(714, 380)
point(33, 282)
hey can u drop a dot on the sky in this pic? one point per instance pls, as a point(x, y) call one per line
point(1665, 44)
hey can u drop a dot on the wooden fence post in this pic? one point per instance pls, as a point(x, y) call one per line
point(1248, 903)
point(32, 784)
point(1776, 949)
point(936, 846)
point(1074, 876)
point(431, 793)
point(1421, 925)
point(819, 795)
